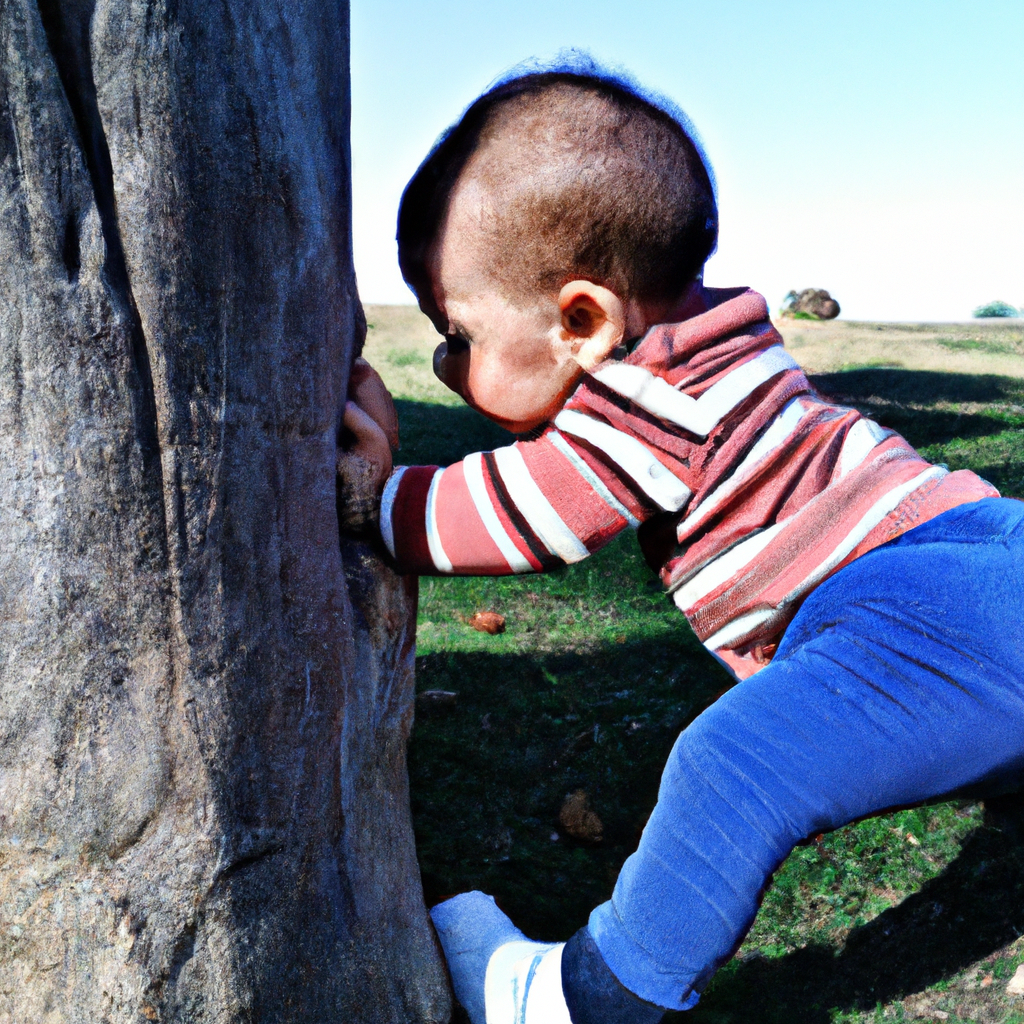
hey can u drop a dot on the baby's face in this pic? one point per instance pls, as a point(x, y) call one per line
point(511, 362)
point(506, 362)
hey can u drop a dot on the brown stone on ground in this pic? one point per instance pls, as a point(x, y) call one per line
point(814, 302)
point(578, 820)
point(487, 622)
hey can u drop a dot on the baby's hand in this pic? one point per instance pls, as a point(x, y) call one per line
point(365, 464)
point(367, 390)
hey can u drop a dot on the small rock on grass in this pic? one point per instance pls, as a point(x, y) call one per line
point(487, 622)
point(578, 820)
point(1016, 986)
point(815, 303)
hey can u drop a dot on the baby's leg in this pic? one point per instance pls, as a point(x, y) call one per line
point(501, 977)
point(901, 679)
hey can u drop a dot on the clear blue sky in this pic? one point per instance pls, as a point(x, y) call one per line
point(872, 148)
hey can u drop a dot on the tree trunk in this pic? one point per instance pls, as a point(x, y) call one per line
point(204, 702)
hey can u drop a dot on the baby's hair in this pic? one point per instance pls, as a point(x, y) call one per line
point(586, 175)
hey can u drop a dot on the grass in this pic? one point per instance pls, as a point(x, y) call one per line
point(901, 917)
point(994, 347)
point(977, 345)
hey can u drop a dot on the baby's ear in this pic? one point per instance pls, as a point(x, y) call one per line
point(593, 321)
point(582, 316)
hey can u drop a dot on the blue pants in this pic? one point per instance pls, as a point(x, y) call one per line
point(900, 679)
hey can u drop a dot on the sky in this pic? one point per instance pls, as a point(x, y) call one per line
point(875, 149)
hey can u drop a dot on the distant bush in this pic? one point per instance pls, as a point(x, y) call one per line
point(997, 308)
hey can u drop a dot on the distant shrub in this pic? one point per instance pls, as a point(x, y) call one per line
point(997, 308)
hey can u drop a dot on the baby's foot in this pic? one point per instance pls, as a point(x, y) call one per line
point(499, 975)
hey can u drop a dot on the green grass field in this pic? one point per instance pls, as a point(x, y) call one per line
point(914, 916)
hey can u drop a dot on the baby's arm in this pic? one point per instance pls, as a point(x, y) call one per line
point(531, 507)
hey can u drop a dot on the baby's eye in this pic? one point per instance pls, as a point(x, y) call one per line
point(457, 343)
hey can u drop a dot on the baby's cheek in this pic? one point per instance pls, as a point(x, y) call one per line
point(495, 389)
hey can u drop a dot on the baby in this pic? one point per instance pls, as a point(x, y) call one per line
point(869, 603)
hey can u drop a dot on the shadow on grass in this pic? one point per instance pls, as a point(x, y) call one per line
point(441, 434)
point(971, 910)
point(920, 386)
point(489, 774)
point(894, 397)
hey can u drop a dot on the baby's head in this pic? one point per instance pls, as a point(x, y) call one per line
point(563, 214)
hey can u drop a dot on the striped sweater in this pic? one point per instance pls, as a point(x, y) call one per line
point(747, 488)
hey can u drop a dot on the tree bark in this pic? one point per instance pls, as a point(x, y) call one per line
point(204, 700)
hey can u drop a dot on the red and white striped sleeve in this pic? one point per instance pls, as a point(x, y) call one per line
point(531, 507)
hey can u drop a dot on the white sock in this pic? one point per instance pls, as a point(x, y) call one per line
point(523, 984)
